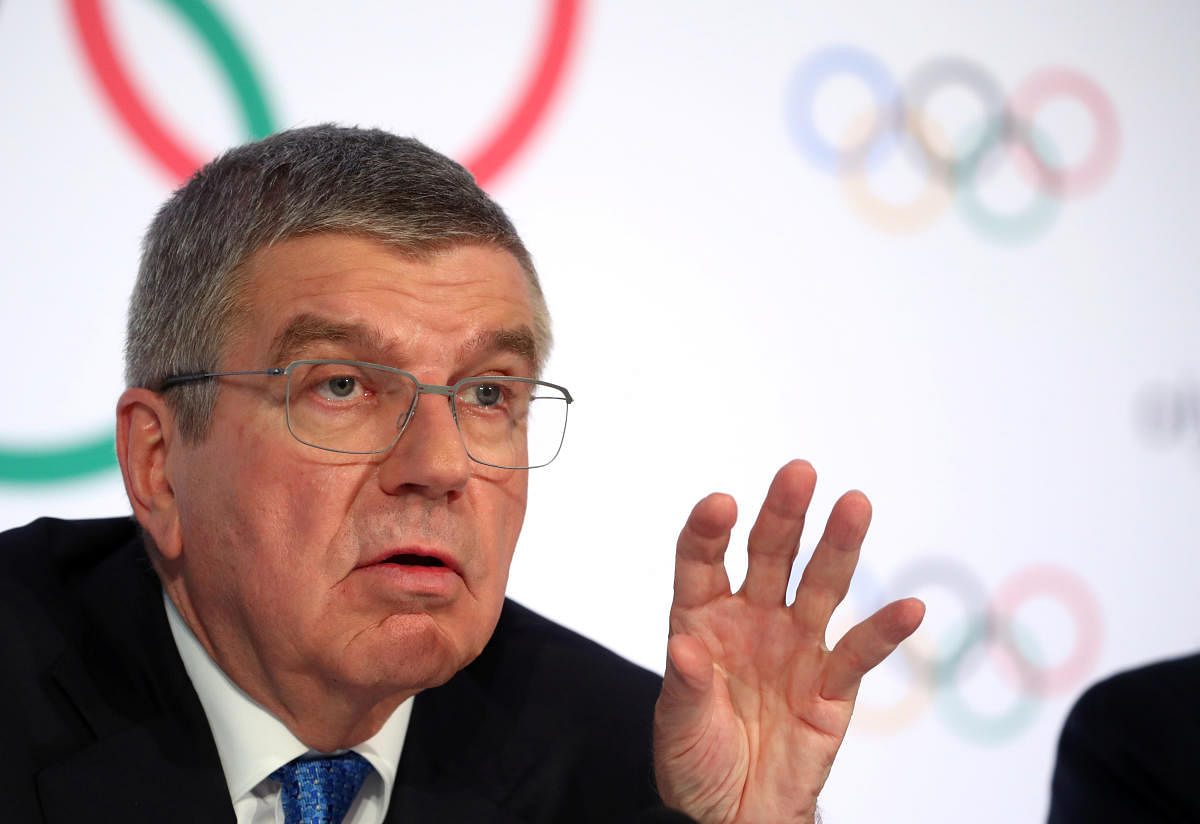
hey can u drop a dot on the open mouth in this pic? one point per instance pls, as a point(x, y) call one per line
point(414, 560)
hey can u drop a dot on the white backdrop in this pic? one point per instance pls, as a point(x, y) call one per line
point(1004, 359)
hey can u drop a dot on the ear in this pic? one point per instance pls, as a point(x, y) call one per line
point(145, 435)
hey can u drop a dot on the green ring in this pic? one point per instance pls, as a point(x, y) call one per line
point(22, 465)
point(218, 37)
point(98, 453)
point(1018, 227)
point(981, 728)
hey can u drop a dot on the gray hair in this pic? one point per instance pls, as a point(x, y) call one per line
point(188, 299)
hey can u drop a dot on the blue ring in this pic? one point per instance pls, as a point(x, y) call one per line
point(801, 98)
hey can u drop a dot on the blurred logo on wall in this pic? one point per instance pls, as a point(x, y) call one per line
point(983, 662)
point(171, 154)
point(1167, 414)
point(1006, 162)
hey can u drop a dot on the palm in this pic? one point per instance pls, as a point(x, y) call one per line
point(754, 707)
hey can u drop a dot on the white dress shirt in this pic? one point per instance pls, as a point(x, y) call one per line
point(253, 743)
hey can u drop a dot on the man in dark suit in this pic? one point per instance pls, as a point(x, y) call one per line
point(1130, 748)
point(334, 357)
point(542, 726)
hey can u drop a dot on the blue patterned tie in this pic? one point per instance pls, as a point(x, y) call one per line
point(320, 790)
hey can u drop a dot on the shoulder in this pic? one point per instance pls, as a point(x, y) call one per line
point(70, 669)
point(1141, 700)
point(1127, 747)
point(52, 549)
point(58, 574)
point(1148, 714)
point(547, 677)
point(46, 565)
point(547, 724)
point(82, 585)
point(564, 660)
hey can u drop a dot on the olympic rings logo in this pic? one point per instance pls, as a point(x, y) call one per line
point(171, 154)
point(935, 672)
point(954, 164)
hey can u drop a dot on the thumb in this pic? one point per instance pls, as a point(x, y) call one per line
point(687, 691)
point(683, 720)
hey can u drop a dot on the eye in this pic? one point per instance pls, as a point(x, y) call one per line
point(486, 395)
point(341, 387)
point(338, 383)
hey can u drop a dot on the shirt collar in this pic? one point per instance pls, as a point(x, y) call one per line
point(251, 742)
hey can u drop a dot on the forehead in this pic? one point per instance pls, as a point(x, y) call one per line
point(462, 294)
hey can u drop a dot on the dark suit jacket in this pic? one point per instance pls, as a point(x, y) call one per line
point(1130, 749)
point(100, 721)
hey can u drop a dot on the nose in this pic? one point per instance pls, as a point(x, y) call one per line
point(429, 458)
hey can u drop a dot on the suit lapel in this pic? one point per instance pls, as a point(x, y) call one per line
point(133, 775)
point(153, 757)
point(452, 766)
point(474, 751)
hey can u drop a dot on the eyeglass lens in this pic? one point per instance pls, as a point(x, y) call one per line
point(359, 408)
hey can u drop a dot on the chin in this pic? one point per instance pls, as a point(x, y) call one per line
point(410, 653)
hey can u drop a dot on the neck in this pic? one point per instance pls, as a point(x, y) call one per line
point(323, 719)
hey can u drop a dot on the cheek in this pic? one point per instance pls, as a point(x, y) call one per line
point(265, 514)
point(507, 502)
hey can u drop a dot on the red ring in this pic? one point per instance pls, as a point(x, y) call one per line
point(1086, 176)
point(173, 157)
point(1069, 590)
point(499, 149)
point(492, 157)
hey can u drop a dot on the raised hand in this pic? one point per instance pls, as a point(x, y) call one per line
point(754, 706)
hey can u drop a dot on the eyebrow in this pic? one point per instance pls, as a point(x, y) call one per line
point(308, 328)
point(518, 341)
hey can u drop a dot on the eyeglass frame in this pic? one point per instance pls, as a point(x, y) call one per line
point(448, 391)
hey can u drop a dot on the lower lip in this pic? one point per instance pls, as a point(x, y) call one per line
point(420, 580)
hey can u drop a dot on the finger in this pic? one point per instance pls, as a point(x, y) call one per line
point(775, 536)
point(826, 578)
point(700, 553)
point(868, 643)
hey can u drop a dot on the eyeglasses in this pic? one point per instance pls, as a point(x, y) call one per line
point(363, 409)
